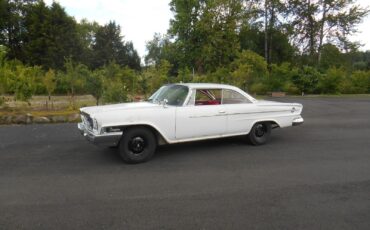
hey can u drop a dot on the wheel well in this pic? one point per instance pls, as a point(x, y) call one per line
point(274, 125)
point(160, 139)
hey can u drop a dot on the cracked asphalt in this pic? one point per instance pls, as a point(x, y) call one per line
point(314, 176)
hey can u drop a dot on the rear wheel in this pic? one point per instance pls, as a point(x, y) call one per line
point(137, 145)
point(260, 133)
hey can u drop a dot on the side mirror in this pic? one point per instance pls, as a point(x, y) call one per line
point(164, 103)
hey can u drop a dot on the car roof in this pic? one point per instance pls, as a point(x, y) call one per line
point(207, 85)
point(216, 86)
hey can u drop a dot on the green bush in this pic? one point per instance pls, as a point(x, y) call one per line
point(115, 91)
point(279, 76)
point(259, 88)
point(306, 79)
point(330, 82)
point(248, 68)
point(290, 88)
point(357, 82)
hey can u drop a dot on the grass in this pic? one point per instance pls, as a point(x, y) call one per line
point(41, 106)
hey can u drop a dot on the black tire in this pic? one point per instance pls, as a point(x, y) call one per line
point(137, 145)
point(260, 133)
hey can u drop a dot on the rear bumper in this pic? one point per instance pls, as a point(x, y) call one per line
point(298, 121)
point(106, 139)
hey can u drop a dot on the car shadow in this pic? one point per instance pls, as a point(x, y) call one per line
point(200, 147)
point(229, 145)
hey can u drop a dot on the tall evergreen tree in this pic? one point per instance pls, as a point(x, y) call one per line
point(109, 46)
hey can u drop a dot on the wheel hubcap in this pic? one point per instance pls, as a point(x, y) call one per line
point(137, 145)
point(260, 130)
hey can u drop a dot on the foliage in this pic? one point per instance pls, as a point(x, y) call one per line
point(94, 85)
point(247, 69)
point(279, 76)
point(306, 79)
point(37, 34)
point(315, 21)
point(50, 82)
point(331, 81)
point(23, 83)
point(260, 46)
point(205, 33)
point(154, 77)
point(331, 57)
point(358, 82)
point(110, 47)
point(115, 91)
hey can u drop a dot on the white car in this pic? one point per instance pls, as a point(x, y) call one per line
point(185, 112)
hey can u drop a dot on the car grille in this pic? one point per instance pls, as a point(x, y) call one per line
point(88, 122)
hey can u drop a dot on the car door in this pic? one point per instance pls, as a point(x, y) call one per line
point(203, 116)
point(241, 112)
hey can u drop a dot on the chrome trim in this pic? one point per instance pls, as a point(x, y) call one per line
point(298, 121)
point(232, 114)
point(105, 139)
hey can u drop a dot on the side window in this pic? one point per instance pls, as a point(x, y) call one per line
point(208, 97)
point(233, 97)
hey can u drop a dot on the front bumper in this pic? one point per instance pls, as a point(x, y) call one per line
point(105, 139)
point(298, 121)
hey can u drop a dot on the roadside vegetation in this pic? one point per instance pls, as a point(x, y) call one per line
point(297, 47)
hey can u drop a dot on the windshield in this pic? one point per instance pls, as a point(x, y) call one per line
point(175, 95)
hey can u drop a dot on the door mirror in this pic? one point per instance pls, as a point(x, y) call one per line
point(164, 103)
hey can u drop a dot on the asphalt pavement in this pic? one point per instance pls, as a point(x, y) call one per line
point(314, 176)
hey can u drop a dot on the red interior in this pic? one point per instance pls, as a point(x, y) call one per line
point(209, 102)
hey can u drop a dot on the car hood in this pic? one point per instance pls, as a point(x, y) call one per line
point(123, 106)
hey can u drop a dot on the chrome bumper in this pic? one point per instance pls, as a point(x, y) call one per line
point(298, 121)
point(106, 139)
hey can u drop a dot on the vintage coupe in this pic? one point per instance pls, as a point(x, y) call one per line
point(185, 112)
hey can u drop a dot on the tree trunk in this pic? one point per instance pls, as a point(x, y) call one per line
point(266, 31)
point(271, 27)
point(323, 19)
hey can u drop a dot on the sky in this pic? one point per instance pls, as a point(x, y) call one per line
point(140, 19)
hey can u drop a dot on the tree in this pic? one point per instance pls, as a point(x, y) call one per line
point(50, 82)
point(86, 34)
point(331, 20)
point(109, 46)
point(306, 79)
point(74, 77)
point(51, 35)
point(3, 80)
point(280, 50)
point(247, 69)
point(12, 28)
point(205, 33)
point(331, 57)
point(155, 49)
point(23, 82)
point(273, 10)
point(94, 85)
point(330, 82)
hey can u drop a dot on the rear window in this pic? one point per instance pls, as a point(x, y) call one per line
point(233, 97)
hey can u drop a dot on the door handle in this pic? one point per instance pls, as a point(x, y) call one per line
point(222, 111)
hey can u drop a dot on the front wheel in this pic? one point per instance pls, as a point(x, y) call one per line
point(137, 145)
point(260, 133)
